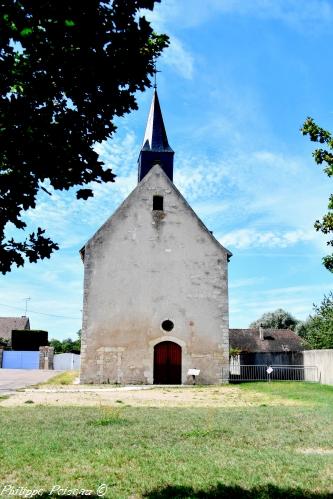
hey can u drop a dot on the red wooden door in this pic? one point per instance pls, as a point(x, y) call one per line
point(167, 363)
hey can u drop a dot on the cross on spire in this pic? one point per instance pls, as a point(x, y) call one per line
point(155, 74)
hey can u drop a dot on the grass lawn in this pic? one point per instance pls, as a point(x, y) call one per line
point(263, 451)
point(65, 378)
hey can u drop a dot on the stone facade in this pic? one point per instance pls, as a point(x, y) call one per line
point(143, 267)
point(46, 355)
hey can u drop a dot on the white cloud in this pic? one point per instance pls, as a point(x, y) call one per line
point(179, 58)
point(247, 238)
point(176, 56)
point(121, 152)
point(299, 14)
point(211, 208)
point(255, 198)
point(241, 283)
point(201, 179)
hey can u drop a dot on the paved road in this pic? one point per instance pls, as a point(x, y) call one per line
point(11, 379)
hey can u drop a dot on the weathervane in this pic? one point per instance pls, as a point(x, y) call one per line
point(155, 74)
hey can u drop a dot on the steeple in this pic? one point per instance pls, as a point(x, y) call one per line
point(155, 148)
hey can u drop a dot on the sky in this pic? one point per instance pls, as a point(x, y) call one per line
point(236, 84)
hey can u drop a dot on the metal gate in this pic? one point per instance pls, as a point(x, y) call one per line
point(240, 373)
point(20, 360)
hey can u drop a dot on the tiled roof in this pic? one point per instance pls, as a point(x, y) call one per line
point(7, 324)
point(275, 340)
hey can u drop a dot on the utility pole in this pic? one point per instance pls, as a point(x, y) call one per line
point(26, 305)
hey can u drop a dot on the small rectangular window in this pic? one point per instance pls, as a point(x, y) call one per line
point(158, 203)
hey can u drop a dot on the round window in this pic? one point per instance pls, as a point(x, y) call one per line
point(167, 325)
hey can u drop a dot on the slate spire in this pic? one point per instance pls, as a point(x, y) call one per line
point(155, 148)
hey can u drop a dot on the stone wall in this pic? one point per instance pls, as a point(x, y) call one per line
point(46, 355)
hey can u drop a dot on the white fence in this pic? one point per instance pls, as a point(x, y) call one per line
point(66, 362)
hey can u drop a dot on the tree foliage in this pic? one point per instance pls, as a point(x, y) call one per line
point(67, 70)
point(317, 330)
point(4, 343)
point(279, 319)
point(323, 156)
point(67, 345)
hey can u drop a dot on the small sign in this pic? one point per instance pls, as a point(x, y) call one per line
point(269, 370)
point(193, 372)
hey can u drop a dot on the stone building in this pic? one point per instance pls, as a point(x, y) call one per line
point(155, 283)
point(266, 346)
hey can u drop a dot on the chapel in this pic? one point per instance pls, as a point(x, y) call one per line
point(155, 283)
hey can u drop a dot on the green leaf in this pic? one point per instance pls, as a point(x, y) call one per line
point(16, 89)
point(69, 23)
point(26, 32)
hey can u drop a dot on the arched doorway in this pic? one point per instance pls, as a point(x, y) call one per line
point(167, 363)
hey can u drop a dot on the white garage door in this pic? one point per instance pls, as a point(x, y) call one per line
point(20, 360)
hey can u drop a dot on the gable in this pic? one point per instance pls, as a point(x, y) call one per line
point(154, 183)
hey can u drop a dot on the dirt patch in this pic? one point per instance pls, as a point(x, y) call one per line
point(223, 396)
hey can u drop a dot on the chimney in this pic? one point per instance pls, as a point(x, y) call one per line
point(261, 332)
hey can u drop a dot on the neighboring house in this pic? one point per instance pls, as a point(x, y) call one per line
point(7, 324)
point(263, 346)
point(29, 348)
point(155, 283)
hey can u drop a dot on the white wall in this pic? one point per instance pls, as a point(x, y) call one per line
point(143, 267)
point(67, 362)
point(323, 359)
